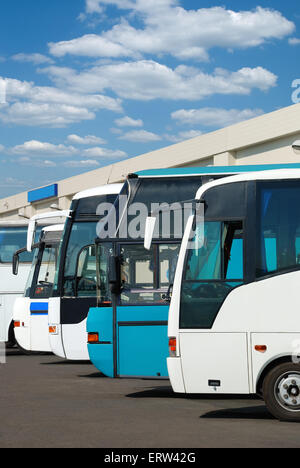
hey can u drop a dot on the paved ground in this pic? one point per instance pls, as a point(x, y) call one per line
point(47, 402)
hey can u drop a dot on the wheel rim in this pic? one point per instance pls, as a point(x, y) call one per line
point(287, 391)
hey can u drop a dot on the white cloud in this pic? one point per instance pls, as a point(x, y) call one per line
point(12, 182)
point(104, 153)
point(146, 80)
point(294, 41)
point(2, 148)
point(90, 45)
point(140, 136)
point(41, 163)
point(32, 105)
point(182, 136)
point(16, 89)
point(170, 29)
point(214, 117)
point(83, 164)
point(44, 115)
point(98, 6)
point(87, 140)
point(35, 147)
point(129, 122)
point(36, 59)
point(41, 154)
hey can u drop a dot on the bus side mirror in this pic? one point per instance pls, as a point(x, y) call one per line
point(149, 231)
point(16, 262)
point(168, 297)
point(114, 274)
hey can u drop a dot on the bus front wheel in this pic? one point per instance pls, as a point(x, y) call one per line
point(281, 391)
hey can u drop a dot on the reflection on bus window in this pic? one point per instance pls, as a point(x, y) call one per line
point(212, 271)
point(104, 251)
point(86, 272)
point(46, 275)
point(279, 228)
point(11, 240)
point(82, 234)
point(146, 275)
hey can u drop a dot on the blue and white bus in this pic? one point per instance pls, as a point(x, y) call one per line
point(74, 290)
point(13, 236)
point(127, 332)
point(30, 312)
point(239, 332)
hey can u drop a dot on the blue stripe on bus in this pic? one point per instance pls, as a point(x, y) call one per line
point(215, 170)
point(39, 308)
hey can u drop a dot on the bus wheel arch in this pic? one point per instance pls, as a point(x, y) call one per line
point(268, 368)
point(11, 336)
point(281, 391)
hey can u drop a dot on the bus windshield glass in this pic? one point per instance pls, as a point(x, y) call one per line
point(41, 278)
point(82, 234)
point(145, 275)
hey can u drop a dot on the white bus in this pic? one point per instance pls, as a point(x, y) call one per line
point(234, 324)
point(12, 237)
point(30, 313)
point(75, 284)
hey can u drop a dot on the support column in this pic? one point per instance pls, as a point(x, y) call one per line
point(225, 159)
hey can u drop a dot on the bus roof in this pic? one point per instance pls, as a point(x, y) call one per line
point(282, 174)
point(213, 170)
point(110, 189)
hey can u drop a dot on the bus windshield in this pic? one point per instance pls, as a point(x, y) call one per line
point(145, 275)
point(41, 278)
point(82, 234)
point(104, 251)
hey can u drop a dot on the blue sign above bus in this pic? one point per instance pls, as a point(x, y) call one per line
point(43, 193)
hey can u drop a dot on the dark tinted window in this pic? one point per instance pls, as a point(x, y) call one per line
point(11, 240)
point(82, 234)
point(153, 192)
point(147, 275)
point(214, 267)
point(88, 206)
point(278, 243)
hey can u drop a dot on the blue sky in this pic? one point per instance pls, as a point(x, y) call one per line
point(91, 82)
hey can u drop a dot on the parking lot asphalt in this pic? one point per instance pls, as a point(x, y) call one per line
point(48, 402)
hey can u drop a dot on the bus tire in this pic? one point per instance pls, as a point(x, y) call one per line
point(281, 392)
point(11, 337)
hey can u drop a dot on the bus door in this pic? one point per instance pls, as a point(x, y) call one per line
point(130, 322)
point(141, 309)
point(41, 290)
point(82, 287)
point(212, 272)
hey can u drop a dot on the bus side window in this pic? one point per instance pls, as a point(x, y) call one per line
point(137, 274)
point(234, 248)
point(278, 228)
point(168, 257)
point(214, 268)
